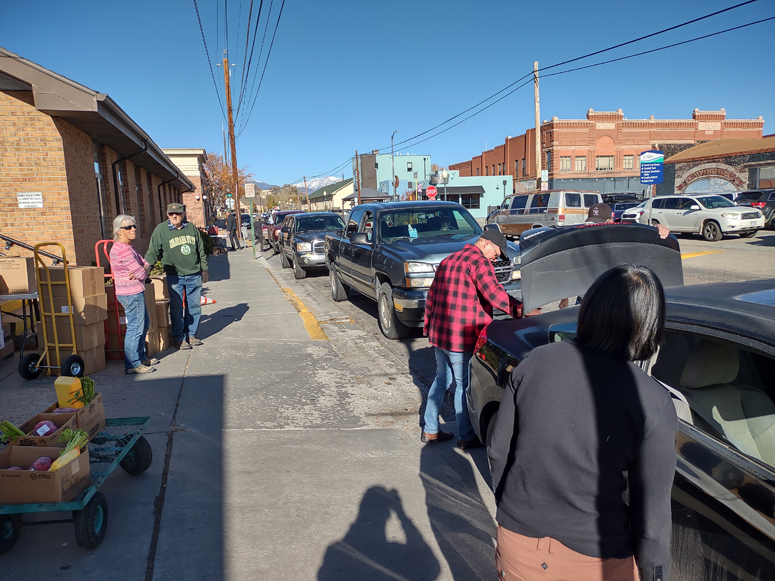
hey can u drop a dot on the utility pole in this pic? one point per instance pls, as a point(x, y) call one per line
point(538, 128)
point(306, 193)
point(393, 165)
point(357, 177)
point(232, 142)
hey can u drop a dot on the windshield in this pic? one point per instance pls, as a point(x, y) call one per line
point(749, 197)
point(309, 223)
point(713, 202)
point(433, 222)
point(623, 206)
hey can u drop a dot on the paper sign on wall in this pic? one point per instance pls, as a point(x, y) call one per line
point(30, 199)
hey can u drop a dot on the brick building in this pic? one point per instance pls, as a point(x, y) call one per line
point(71, 160)
point(600, 153)
point(191, 163)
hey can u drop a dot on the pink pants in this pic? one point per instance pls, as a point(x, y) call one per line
point(521, 558)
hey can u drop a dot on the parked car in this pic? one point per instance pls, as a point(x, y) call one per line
point(762, 200)
point(616, 198)
point(619, 208)
point(723, 496)
point(633, 214)
point(706, 214)
point(521, 212)
point(274, 228)
point(303, 240)
point(389, 253)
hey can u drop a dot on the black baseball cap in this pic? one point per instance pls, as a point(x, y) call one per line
point(497, 238)
point(599, 213)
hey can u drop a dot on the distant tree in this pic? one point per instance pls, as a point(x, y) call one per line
point(436, 167)
point(286, 198)
point(220, 180)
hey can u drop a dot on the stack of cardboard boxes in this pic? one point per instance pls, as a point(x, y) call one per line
point(17, 277)
point(157, 303)
point(89, 310)
point(162, 297)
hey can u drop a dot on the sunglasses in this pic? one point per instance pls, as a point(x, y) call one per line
point(130, 227)
point(174, 213)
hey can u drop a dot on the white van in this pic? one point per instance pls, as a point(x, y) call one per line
point(520, 212)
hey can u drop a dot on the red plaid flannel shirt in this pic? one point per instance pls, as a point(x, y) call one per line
point(460, 301)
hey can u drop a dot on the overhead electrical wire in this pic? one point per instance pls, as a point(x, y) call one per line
point(209, 61)
point(245, 55)
point(261, 50)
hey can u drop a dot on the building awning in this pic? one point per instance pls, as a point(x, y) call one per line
point(460, 190)
point(96, 114)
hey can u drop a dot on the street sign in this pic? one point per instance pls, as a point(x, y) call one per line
point(414, 174)
point(544, 186)
point(544, 175)
point(431, 192)
point(651, 167)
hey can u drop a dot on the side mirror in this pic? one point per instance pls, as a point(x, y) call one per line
point(694, 207)
point(285, 230)
point(359, 238)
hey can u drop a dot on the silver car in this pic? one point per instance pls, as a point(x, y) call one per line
point(707, 214)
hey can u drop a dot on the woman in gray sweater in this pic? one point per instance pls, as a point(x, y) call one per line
point(583, 453)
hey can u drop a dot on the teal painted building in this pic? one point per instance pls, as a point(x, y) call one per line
point(377, 172)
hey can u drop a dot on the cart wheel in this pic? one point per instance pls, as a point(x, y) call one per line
point(139, 457)
point(28, 366)
point(91, 522)
point(73, 366)
point(10, 525)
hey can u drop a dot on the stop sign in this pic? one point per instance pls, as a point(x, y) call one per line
point(431, 192)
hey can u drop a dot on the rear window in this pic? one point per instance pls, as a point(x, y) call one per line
point(590, 199)
point(750, 197)
point(772, 197)
point(572, 200)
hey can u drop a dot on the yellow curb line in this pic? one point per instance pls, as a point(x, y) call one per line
point(704, 253)
point(311, 324)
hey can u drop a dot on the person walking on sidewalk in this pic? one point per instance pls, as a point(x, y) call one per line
point(130, 271)
point(178, 244)
point(458, 306)
point(231, 226)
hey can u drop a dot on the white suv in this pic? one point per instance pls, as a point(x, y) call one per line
point(710, 215)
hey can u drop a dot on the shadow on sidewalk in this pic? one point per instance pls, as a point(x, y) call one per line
point(373, 549)
point(216, 322)
point(219, 268)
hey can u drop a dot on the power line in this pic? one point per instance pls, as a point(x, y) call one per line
point(246, 72)
point(226, 22)
point(209, 62)
point(260, 52)
point(266, 62)
point(610, 48)
point(245, 55)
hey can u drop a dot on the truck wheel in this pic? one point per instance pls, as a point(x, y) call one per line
point(338, 290)
point(298, 271)
point(284, 259)
point(711, 231)
point(389, 324)
point(10, 525)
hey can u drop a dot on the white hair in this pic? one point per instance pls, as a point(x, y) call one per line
point(118, 222)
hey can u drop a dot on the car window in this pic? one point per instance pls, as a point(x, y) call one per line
point(623, 206)
point(505, 203)
point(772, 197)
point(713, 202)
point(749, 197)
point(590, 199)
point(671, 203)
point(313, 222)
point(539, 204)
point(572, 200)
point(353, 222)
point(429, 223)
point(658, 203)
point(368, 225)
point(686, 203)
point(518, 204)
point(728, 390)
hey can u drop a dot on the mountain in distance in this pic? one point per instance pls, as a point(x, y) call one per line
point(262, 185)
point(317, 183)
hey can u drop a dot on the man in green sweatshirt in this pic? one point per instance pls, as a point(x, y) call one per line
point(179, 246)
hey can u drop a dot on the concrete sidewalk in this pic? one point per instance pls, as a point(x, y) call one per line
point(283, 449)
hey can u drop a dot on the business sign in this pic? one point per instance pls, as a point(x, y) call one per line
point(651, 166)
point(384, 186)
point(250, 190)
point(30, 200)
point(431, 192)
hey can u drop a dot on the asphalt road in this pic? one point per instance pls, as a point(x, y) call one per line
point(731, 259)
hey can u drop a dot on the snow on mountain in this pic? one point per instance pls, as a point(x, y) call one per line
point(317, 183)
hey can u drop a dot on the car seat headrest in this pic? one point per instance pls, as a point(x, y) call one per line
point(710, 364)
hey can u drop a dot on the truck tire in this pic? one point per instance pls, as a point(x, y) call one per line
point(389, 324)
point(711, 231)
point(338, 290)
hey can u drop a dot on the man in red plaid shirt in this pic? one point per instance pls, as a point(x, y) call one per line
point(459, 305)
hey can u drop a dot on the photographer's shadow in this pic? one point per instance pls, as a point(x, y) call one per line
point(367, 552)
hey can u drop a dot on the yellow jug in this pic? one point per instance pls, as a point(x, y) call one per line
point(66, 388)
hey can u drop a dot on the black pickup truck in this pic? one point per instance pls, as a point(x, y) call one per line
point(389, 252)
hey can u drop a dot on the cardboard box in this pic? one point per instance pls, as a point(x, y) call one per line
point(86, 336)
point(150, 305)
point(162, 314)
point(61, 421)
point(93, 360)
point(152, 343)
point(17, 276)
point(113, 304)
point(25, 486)
point(90, 418)
point(165, 339)
point(85, 281)
point(86, 310)
point(160, 290)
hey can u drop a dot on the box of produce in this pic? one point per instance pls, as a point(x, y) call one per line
point(91, 417)
point(42, 474)
point(42, 430)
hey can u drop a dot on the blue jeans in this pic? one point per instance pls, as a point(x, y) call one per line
point(184, 325)
point(451, 368)
point(137, 323)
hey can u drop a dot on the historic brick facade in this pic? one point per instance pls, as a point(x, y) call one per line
point(604, 145)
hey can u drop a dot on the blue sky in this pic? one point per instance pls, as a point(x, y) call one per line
point(343, 75)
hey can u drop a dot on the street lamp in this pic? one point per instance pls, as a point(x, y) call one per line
point(393, 165)
point(444, 180)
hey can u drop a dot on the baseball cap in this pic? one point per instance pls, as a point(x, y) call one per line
point(599, 213)
point(497, 238)
point(174, 208)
